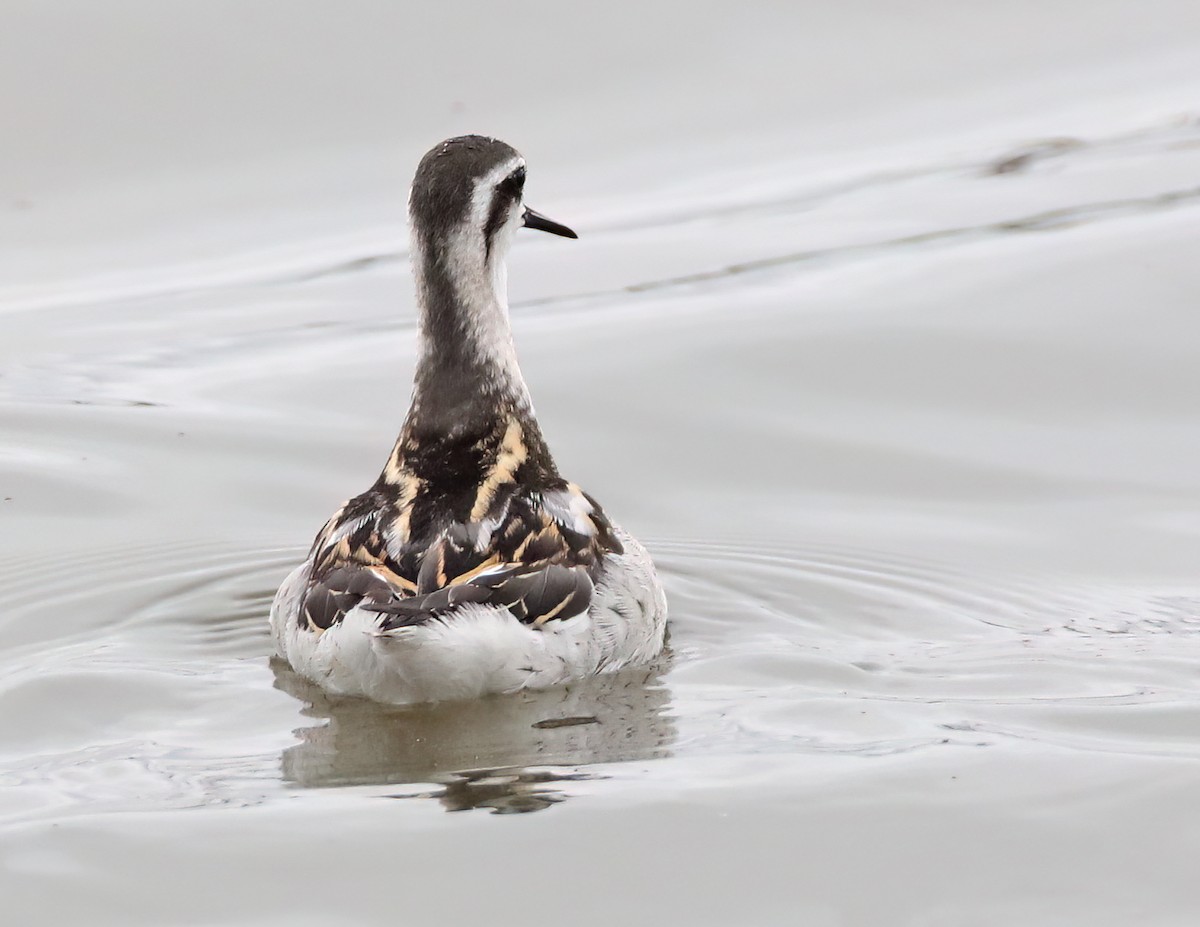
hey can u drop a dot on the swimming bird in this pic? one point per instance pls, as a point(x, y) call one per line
point(471, 566)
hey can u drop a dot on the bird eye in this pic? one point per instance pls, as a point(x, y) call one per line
point(513, 184)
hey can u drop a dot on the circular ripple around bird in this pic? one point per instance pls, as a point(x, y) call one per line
point(140, 680)
point(865, 652)
point(883, 596)
point(181, 599)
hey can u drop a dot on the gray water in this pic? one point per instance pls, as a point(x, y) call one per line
point(881, 331)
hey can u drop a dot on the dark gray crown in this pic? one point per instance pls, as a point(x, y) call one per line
point(446, 178)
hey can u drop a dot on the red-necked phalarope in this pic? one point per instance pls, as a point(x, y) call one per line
point(470, 566)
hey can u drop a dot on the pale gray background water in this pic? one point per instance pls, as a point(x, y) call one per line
point(882, 330)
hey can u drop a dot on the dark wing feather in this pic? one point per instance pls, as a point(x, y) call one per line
point(534, 595)
point(340, 590)
point(536, 553)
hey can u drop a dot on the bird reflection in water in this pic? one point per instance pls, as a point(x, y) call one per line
point(480, 751)
point(503, 791)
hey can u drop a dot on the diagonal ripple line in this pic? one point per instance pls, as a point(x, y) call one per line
point(1041, 222)
point(1048, 221)
point(1018, 160)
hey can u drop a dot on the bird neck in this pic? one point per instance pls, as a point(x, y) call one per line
point(467, 372)
point(471, 417)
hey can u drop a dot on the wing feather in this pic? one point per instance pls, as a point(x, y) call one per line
point(536, 553)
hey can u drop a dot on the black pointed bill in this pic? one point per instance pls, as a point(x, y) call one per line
point(535, 220)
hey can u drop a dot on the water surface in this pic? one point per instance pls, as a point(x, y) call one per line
point(892, 366)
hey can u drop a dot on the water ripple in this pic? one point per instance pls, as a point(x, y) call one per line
point(866, 652)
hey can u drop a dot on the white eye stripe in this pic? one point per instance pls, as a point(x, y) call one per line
point(501, 171)
point(485, 188)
